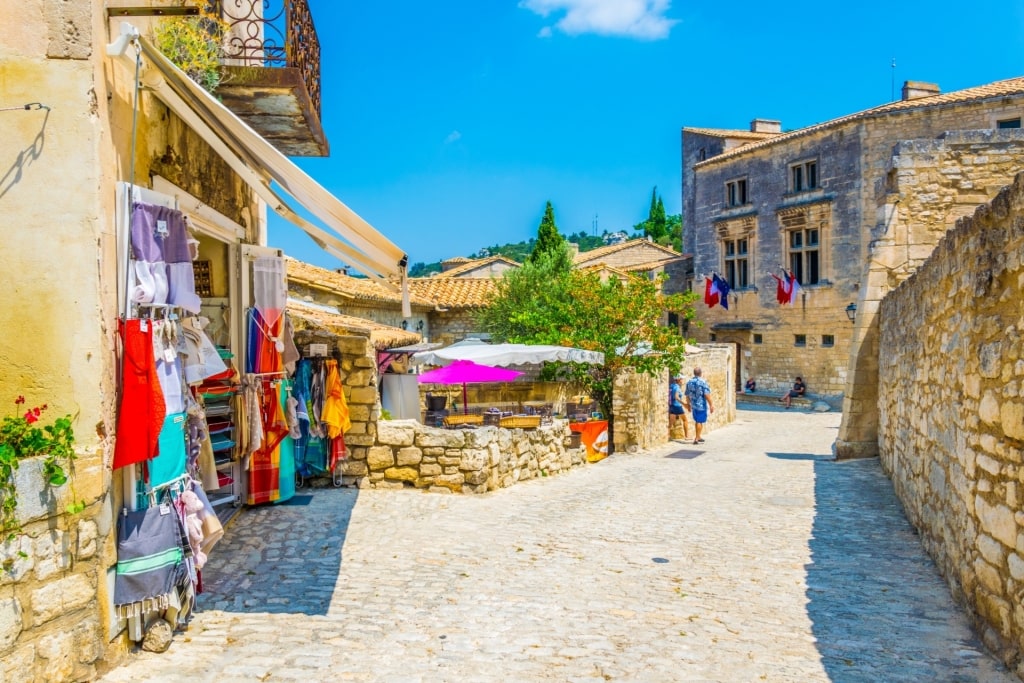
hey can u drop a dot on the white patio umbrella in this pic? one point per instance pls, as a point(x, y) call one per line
point(507, 354)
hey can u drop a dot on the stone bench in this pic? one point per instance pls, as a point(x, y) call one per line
point(768, 398)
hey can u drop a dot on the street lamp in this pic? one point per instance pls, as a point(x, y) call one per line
point(851, 312)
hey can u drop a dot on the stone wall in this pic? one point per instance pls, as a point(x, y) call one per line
point(448, 327)
point(50, 626)
point(409, 454)
point(951, 412)
point(640, 402)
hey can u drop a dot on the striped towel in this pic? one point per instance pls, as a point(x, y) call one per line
point(149, 560)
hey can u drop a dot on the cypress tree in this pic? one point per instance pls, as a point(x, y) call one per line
point(550, 244)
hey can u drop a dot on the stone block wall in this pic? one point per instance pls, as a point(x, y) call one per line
point(640, 402)
point(448, 327)
point(409, 454)
point(640, 410)
point(50, 626)
point(951, 412)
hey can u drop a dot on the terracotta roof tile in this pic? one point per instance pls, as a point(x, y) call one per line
point(361, 289)
point(585, 257)
point(602, 267)
point(1010, 86)
point(651, 265)
point(456, 292)
point(381, 336)
point(469, 266)
point(725, 133)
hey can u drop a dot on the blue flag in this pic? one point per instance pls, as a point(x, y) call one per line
point(723, 290)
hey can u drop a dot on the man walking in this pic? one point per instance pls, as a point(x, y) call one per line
point(698, 401)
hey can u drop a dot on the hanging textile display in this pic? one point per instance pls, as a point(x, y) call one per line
point(335, 414)
point(270, 288)
point(163, 259)
point(286, 454)
point(202, 360)
point(142, 409)
point(310, 446)
point(265, 347)
point(150, 560)
point(169, 463)
point(265, 462)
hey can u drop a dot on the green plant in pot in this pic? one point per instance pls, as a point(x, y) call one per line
point(21, 436)
point(195, 45)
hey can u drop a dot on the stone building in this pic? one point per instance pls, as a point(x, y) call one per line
point(492, 266)
point(641, 256)
point(832, 203)
point(356, 297)
point(95, 141)
point(457, 301)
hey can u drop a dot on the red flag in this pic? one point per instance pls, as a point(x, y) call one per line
point(781, 291)
point(710, 292)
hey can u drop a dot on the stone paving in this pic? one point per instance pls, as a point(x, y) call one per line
point(753, 557)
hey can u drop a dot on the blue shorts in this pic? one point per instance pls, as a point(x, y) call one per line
point(700, 416)
point(676, 410)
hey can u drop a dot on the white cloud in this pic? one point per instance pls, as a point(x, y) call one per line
point(454, 136)
point(644, 19)
point(544, 32)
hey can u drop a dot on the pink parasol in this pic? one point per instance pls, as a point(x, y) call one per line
point(467, 372)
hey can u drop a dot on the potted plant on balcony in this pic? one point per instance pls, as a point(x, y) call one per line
point(22, 437)
point(195, 45)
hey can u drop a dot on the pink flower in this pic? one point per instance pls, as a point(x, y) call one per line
point(36, 411)
point(30, 417)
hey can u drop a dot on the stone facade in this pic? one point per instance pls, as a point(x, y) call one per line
point(453, 325)
point(927, 186)
point(852, 157)
point(951, 408)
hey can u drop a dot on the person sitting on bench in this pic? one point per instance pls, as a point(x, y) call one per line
point(799, 389)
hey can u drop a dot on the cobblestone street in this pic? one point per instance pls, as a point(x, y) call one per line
point(753, 557)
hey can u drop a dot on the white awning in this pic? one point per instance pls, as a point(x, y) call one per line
point(260, 164)
point(507, 354)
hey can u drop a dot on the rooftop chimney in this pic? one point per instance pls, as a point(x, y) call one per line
point(913, 90)
point(765, 126)
point(574, 249)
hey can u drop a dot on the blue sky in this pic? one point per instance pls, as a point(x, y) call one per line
point(451, 123)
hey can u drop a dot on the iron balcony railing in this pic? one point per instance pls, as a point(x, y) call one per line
point(273, 33)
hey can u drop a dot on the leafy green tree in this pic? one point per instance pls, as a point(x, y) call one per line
point(540, 305)
point(674, 231)
point(421, 269)
point(550, 243)
point(655, 226)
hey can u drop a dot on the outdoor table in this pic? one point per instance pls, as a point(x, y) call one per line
point(594, 436)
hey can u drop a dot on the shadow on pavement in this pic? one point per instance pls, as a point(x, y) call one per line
point(685, 454)
point(878, 607)
point(282, 559)
point(798, 456)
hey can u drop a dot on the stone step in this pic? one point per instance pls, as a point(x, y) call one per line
point(765, 398)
